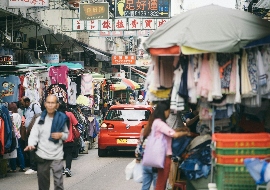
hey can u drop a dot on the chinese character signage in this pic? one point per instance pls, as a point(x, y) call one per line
point(94, 11)
point(106, 24)
point(92, 25)
point(77, 24)
point(123, 59)
point(120, 24)
point(28, 3)
point(142, 8)
point(123, 24)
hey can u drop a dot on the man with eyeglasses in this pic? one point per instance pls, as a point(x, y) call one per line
point(30, 109)
point(47, 136)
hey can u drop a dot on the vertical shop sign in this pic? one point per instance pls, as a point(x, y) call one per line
point(120, 24)
point(92, 11)
point(77, 24)
point(148, 24)
point(142, 8)
point(134, 24)
point(28, 3)
point(106, 24)
point(92, 25)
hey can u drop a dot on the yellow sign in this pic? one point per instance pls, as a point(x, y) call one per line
point(94, 11)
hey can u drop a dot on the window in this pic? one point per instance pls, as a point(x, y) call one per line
point(128, 115)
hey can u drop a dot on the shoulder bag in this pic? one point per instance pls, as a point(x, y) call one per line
point(155, 150)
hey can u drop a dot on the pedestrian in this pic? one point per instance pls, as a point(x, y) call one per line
point(16, 119)
point(149, 173)
point(141, 101)
point(47, 136)
point(69, 143)
point(192, 118)
point(158, 120)
point(29, 111)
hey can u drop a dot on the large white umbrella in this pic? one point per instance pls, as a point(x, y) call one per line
point(210, 28)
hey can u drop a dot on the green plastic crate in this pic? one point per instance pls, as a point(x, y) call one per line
point(243, 151)
point(234, 177)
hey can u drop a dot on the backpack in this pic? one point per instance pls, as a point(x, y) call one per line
point(33, 108)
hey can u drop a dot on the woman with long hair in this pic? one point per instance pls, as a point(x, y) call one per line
point(158, 122)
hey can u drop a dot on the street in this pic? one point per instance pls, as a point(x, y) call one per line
point(88, 172)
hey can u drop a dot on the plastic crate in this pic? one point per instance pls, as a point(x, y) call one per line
point(241, 140)
point(233, 177)
point(236, 159)
point(242, 151)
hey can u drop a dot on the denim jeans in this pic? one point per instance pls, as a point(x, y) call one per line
point(148, 177)
point(13, 163)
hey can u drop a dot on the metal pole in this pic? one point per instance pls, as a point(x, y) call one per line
point(129, 72)
point(11, 28)
point(36, 38)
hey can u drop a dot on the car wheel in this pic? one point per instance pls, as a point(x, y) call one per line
point(102, 152)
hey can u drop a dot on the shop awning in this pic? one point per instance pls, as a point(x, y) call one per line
point(68, 64)
point(125, 84)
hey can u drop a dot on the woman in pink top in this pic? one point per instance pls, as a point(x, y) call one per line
point(158, 120)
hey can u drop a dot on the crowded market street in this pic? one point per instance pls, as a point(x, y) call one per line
point(88, 172)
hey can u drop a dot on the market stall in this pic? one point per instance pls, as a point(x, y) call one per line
point(123, 88)
point(207, 62)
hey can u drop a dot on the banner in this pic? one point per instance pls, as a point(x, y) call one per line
point(51, 58)
point(131, 24)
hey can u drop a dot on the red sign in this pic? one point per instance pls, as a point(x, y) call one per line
point(124, 60)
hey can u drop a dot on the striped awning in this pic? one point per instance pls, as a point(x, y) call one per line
point(125, 84)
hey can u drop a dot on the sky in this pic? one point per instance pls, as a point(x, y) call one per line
point(189, 4)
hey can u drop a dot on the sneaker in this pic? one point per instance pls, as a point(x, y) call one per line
point(22, 170)
point(68, 172)
point(30, 171)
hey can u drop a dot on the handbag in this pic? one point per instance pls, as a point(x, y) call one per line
point(155, 150)
point(76, 133)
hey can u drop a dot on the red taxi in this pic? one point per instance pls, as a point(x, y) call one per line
point(121, 127)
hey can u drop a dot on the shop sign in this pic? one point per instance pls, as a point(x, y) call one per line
point(6, 60)
point(77, 24)
point(142, 8)
point(123, 59)
point(130, 24)
point(28, 3)
point(51, 58)
point(92, 11)
point(120, 24)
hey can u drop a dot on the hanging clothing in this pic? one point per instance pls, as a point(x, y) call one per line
point(86, 84)
point(166, 69)
point(58, 75)
point(183, 89)
point(59, 90)
point(21, 88)
point(191, 85)
point(204, 86)
point(252, 71)
point(72, 91)
point(9, 90)
point(31, 84)
point(266, 62)
point(2, 137)
point(225, 64)
point(216, 83)
point(177, 102)
point(245, 81)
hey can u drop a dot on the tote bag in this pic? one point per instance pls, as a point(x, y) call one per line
point(155, 150)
